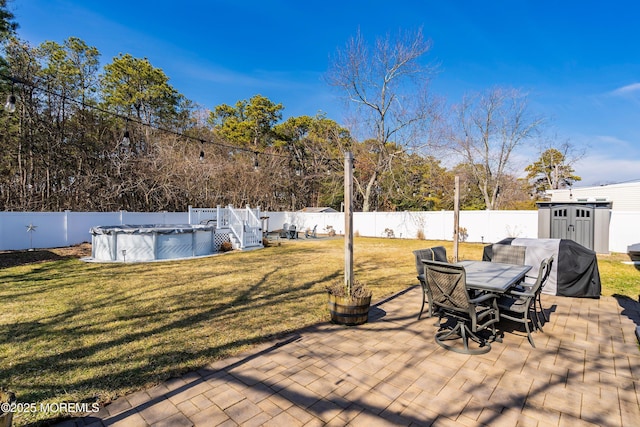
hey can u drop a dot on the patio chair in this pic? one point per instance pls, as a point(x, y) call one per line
point(291, 232)
point(549, 262)
point(285, 230)
point(436, 253)
point(450, 297)
point(544, 280)
point(311, 233)
point(508, 254)
point(519, 304)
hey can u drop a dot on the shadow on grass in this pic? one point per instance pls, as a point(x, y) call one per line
point(390, 371)
point(393, 342)
point(18, 258)
point(89, 341)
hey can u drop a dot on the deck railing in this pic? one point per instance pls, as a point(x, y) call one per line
point(244, 225)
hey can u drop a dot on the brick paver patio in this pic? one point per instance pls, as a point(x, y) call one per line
point(585, 371)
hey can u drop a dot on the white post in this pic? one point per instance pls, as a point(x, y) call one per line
point(66, 226)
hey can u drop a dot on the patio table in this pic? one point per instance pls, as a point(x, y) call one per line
point(493, 276)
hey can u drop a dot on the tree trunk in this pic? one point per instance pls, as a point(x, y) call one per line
point(366, 202)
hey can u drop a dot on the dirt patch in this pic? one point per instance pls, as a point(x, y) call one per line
point(15, 258)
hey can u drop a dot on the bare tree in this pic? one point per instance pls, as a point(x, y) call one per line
point(488, 128)
point(388, 86)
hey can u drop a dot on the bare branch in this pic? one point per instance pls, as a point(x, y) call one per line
point(488, 128)
point(388, 86)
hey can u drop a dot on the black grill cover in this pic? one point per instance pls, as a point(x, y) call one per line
point(575, 268)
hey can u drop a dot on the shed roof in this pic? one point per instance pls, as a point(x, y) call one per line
point(625, 196)
point(320, 209)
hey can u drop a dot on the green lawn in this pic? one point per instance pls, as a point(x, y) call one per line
point(72, 331)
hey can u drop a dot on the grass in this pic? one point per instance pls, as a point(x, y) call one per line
point(618, 277)
point(83, 332)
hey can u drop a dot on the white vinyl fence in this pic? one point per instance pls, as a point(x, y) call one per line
point(24, 230)
point(481, 226)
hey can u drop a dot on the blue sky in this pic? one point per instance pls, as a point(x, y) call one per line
point(578, 60)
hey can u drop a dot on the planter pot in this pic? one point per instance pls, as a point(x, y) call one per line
point(349, 311)
point(6, 418)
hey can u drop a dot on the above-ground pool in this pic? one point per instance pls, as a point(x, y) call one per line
point(153, 242)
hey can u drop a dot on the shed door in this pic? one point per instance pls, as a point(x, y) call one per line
point(573, 222)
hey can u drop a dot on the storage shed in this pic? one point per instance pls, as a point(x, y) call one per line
point(623, 213)
point(586, 223)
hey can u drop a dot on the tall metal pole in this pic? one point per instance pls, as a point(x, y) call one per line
point(456, 218)
point(348, 220)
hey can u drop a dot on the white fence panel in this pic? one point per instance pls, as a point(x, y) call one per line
point(81, 222)
point(436, 225)
point(624, 231)
point(55, 229)
point(275, 221)
point(48, 229)
point(481, 226)
point(137, 218)
point(307, 220)
point(493, 226)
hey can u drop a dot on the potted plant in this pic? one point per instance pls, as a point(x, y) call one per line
point(6, 416)
point(349, 303)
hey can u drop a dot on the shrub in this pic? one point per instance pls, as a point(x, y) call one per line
point(226, 247)
point(358, 289)
point(463, 234)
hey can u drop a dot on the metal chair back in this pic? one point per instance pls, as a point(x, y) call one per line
point(436, 253)
point(547, 271)
point(520, 305)
point(508, 254)
point(448, 285)
point(448, 288)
